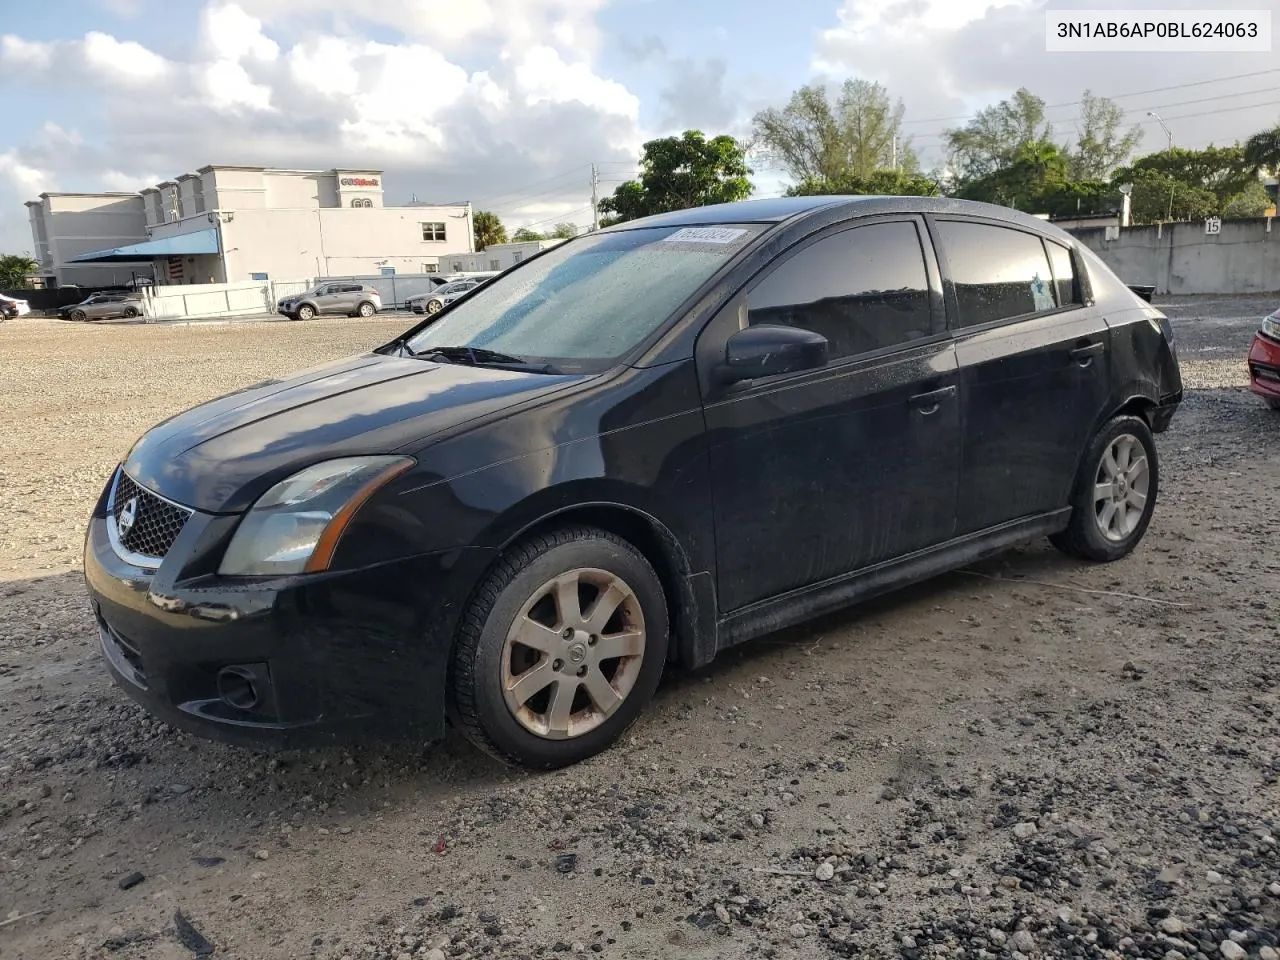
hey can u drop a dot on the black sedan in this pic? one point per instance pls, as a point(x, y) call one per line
point(641, 447)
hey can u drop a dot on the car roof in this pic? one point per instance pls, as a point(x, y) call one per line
point(778, 209)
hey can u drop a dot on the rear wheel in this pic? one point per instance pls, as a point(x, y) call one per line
point(366, 309)
point(79, 316)
point(306, 312)
point(561, 648)
point(1115, 492)
point(130, 312)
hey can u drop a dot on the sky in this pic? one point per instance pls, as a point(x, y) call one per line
point(507, 103)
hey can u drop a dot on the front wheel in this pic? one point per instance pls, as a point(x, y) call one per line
point(306, 313)
point(79, 316)
point(1115, 493)
point(130, 312)
point(366, 309)
point(560, 650)
point(434, 306)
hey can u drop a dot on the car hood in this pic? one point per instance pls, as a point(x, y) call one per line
point(222, 455)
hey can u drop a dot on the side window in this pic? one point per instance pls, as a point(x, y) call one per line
point(863, 289)
point(1064, 275)
point(998, 273)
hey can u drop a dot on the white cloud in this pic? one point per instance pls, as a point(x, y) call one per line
point(29, 54)
point(232, 34)
point(126, 61)
point(292, 83)
point(543, 77)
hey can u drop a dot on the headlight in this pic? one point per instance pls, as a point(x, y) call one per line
point(295, 526)
point(1271, 327)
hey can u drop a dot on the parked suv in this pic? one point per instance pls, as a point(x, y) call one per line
point(349, 299)
point(442, 296)
point(646, 445)
point(104, 306)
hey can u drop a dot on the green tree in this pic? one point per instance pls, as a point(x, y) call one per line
point(1158, 196)
point(563, 231)
point(1036, 169)
point(993, 138)
point(881, 183)
point(1221, 170)
point(813, 138)
point(488, 229)
point(525, 235)
point(14, 270)
point(1100, 146)
point(1252, 201)
point(681, 172)
point(1262, 151)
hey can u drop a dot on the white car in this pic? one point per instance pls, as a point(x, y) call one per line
point(11, 307)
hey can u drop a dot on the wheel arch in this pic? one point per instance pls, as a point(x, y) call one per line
point(690, 609)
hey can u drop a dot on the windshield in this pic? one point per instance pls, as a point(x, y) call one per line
point(587, 302)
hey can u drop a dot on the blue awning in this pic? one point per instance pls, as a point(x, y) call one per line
point(183, 245)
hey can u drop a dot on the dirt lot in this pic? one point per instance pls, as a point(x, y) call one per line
point(1032, 757)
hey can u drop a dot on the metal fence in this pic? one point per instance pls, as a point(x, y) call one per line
point(244, 298)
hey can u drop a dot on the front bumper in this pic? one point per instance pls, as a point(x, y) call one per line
point(1264, 367)
point(330, 657)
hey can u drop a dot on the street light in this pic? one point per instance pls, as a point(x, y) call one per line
point(1168, 133)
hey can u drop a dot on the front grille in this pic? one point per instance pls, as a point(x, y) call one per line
point(156, 521)
point(124, 651)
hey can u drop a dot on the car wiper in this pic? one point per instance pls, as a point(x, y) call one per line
point(482, 356)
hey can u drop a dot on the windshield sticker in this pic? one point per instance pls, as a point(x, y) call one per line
point(1040, 294)
point(704, 235)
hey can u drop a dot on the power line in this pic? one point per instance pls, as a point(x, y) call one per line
point(502, 197)
point(1118, 96)
point(559, 217)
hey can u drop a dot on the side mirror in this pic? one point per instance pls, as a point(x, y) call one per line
point(767, 350)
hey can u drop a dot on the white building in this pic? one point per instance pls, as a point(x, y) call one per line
point(498, 256)
point(223, 224)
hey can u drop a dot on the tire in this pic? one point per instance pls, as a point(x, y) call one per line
point(306, 312)
point(79, 316)
point(487, 661)
point(434, 306)
point(130, 312)
point(1120, 442)
point(1273, 403)
point(366, 309)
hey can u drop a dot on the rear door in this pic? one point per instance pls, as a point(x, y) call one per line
point(1034, 367)
point(820, 473)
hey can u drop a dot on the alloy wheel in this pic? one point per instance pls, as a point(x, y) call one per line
point(434, 306)
point(1121, 488)
point(573, 653)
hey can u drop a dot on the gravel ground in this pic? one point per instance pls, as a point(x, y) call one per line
point(1031, 758)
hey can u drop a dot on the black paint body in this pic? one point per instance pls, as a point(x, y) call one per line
point(761, 503)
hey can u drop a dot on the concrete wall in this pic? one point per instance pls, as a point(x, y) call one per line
point(339, 241)
point(1181, 258)
point(73, 224)
point(293, 190)
point(500, 256)
point(234, 189)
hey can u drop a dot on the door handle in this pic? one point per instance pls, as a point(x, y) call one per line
point(1084, 355)
point(928, 403)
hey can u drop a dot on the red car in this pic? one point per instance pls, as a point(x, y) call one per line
point(1264, 361)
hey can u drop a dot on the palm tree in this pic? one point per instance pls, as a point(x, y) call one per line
point(1262, 151)
point(14, 270)
point(489, 229)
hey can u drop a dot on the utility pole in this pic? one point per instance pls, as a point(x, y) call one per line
point(1169, 134)
point(895, 151)
point(595, 198)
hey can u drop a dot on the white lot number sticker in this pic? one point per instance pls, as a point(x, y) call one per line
point(704, 235)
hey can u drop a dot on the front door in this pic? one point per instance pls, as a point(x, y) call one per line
point(1034, 369)
point(828, 471)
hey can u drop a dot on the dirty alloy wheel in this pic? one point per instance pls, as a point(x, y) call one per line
point(306, 313)
point(434, 306)
point(1115, 492)
point(79, 316)
point(366, 309)
point(560, 650)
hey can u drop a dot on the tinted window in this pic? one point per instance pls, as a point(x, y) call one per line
point(863, 289)
point(998, 273)
point(1064, 276)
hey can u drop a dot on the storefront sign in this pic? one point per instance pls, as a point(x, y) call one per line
point(359, 181)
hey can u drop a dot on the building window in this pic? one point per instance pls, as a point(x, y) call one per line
point(258, 276)
point(431, 268)
point(433, 231)
point(517, 255)
point(457, 268)
point(357, 202)
point(495, 264)
point(388, 271)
